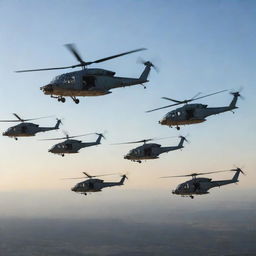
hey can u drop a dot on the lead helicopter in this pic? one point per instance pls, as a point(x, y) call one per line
point(89, 81)
point(200, 186)
point(150, 150)
point(27, 129)
point(70, 146)
point(95, 185)
point(193, 113)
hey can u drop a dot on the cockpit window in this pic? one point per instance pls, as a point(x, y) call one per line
point(66, 79)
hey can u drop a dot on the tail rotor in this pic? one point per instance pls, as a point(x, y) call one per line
point(148, 64)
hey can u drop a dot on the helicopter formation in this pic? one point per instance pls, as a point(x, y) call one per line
point(98, 82)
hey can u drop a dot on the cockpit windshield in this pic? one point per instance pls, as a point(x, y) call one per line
point(64, 79)
point(134, 152)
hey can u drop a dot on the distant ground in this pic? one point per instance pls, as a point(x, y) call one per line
point(222, 232)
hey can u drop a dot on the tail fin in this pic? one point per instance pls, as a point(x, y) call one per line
point(235, 177)
point(123, 179)
point(182, 139)
point(232, 105)
point(57, 124)
point(99, 138)
point(145, 73)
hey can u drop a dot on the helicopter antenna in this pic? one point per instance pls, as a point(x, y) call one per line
point(83, 64)
point(178, 102)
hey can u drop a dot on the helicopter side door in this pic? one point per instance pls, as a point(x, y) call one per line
point(23, 129)
point(88, 82)
point(147, 151)
point(189, 114)
point(68, 146)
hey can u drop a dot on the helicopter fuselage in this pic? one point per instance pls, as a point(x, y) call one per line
point(26, 129)
point(70, 146)
point(95, 185)
point(150, 151)
point(194, 113)
point(200, 186)
point(90, 82)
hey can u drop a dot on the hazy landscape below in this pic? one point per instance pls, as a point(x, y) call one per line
point(173, 226)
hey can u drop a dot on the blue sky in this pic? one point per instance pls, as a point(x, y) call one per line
point(199, 46)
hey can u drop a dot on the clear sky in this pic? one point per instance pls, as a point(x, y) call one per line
point(199, 46)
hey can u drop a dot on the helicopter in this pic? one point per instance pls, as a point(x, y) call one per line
point(150, 150)
point(89, 81)
point(95, 185)
point(70, 146)
point(25, 129)
point(193, 113)
point(200, 186)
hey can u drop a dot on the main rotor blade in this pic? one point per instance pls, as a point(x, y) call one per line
point(68, 137)
point(163, 107)
point(90, 176)
point(133, 142)
point(20, 119)
point(194, 174)
point(24, 120)
point(72, 48)
point(115, 56)
point(44, 69)
point(105, 175)
point(192, 99)
point(80, 135)
point(177, 101)
point(184, 101)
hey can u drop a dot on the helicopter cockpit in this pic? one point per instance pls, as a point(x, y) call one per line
point(181, 188)
point(66, 79)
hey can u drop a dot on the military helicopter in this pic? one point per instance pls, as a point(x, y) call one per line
point(200, 186)
point(95, 185)
point(70, 146)
point(25, 129)
point(150, 150)
point(193, 113)
point(89, 82)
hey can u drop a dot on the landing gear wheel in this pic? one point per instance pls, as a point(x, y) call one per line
point(178, 128)
point(139, 162)
point(62, 155)
point(191, 197)
point(16, 138)
point(61, 99)
point(76, 101)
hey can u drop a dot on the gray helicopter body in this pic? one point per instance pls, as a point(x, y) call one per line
point(95, 185)
point(151, 151)
point(26, 129)
point(195, 113)
point(90, 82)
point(71, 146)
point(201, 186)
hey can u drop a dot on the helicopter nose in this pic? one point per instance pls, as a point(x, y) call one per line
point(47, 88)
point(4, 133)
point(73, 189)
point(163, 121)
